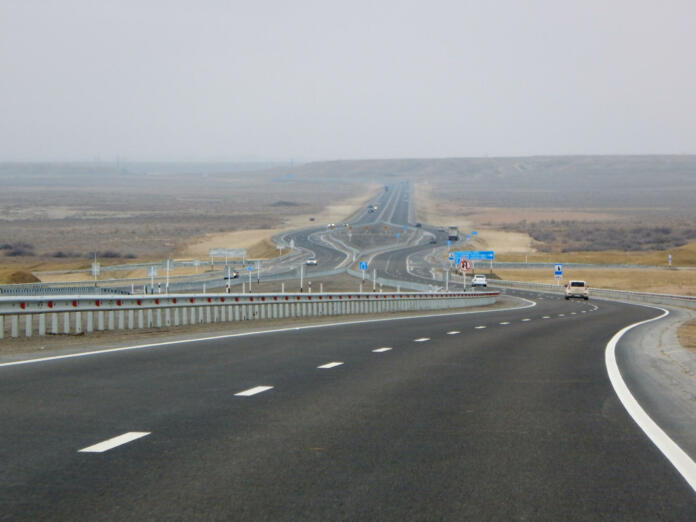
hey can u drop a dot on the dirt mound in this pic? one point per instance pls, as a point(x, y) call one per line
point(20, 276)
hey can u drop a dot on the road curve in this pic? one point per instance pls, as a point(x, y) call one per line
point(496, 415)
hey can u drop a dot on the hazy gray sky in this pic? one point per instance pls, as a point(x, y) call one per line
point(226, 80)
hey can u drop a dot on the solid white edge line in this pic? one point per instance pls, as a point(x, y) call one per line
point(678, 457)
point(253, 391)
point(258, 332)
point(330, 365)
point(114, 442)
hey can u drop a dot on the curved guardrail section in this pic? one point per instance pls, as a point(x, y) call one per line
point(85, 314)
point(615, 295)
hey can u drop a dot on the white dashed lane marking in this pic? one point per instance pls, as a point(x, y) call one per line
point(479, 327)
point(421, 339)
point(526, 319)
point(505, 322)
point(253, 391)
point(383, 349)
point(561, 315)
point(546, 317)
point(327, 366)
point(106, 445)
point(453, 332)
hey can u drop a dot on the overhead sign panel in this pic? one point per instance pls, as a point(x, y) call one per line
point(227, 252)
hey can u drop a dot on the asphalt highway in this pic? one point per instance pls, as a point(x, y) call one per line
point(497, 415)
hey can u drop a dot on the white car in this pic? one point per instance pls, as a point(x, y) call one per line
point(577, 289)
point(311, 261)
point(479, 280)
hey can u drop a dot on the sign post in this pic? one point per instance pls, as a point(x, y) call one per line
point(363, 267)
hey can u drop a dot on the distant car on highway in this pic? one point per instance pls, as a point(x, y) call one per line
point(479, 280)
point(419, 225)
point(577, 289)
point(311, 261)
point(433, 241)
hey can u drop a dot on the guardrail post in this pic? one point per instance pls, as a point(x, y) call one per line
point(42, 324)
point(200, 315)
point(208, 314)
point(28, 325)
point(176, 316)
point(90, 325)
point(78, 322)
point(100, 320)
point(167, 317)
point(54, 323)
point(158, 315)
point(2, 326)
point(14, 326)
point(121, 319)
point(131, 319)
point(110, 320)
point(66, 322)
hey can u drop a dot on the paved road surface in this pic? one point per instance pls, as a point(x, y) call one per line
point(499, 415)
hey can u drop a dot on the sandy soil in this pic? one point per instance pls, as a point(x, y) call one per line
point(687, 335)
point(434, 212)
point(498, 216)
point(248, 239)
point(662, 281)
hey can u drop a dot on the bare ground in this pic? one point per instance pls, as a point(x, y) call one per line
point(687, 335)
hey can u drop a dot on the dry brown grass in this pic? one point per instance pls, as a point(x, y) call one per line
point(681, 256)
point(662, 281)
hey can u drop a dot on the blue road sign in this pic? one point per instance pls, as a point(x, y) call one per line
point(398, 235)
point(472, 255)
point(405, 227)
point(363, 265)
point(468, 236)
point(558, 270)
point(449, 242)
point(474, 233)
point(250, 268)
point(451, 256)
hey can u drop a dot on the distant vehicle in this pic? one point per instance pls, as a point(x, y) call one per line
point(419, 225)
point(311, 261)
point(433, 241)
point(479, 280)
point(453, 233)
point(577, 289)
point(233, 275)
point(311, 219)
point(331, 226)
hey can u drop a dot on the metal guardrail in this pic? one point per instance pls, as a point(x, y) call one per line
point(616, 295)
point(84, 314)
